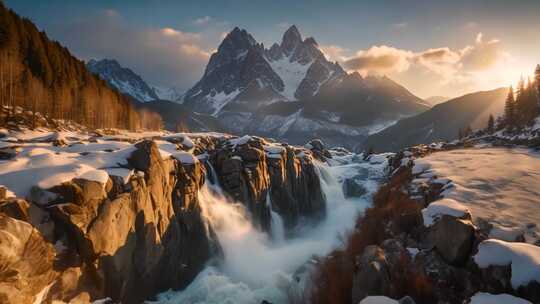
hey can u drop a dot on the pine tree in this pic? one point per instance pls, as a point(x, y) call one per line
point(491, 124)
point(520, 102)
point(537, 83)
point(509, 109)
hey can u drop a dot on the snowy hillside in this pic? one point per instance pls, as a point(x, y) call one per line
point(500, 186)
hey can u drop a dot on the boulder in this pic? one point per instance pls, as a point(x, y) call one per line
point(26, 259)
point(351, 188)
point(452, 238)
point(372, 276)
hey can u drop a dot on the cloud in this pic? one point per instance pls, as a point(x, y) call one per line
point(379, 60)
point(334, 52)
point(450, 71)
point(482, 55)
point(162, 56)
point(202, 20)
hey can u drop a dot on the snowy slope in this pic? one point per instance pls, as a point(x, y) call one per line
point(123, 79)
point(498, 185)
point(292, 74)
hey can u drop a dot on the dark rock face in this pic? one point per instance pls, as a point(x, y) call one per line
point(372, 277)
point(452, 238)
point(249, 176)
point(352, 189)
point(296, 190)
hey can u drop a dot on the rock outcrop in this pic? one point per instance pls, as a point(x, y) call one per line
point(123, 241)
point(129, 238)
point(284, 174)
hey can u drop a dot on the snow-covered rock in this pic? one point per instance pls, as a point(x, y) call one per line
point(487, 298)
point(522, 257)
point(442, 207)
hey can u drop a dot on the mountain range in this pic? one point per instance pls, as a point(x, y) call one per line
point(442, 122)
point(292, 92)
point(289, 91)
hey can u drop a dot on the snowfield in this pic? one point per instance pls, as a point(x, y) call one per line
point(498, 185)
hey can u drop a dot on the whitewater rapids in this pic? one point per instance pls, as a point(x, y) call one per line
point(259, 267)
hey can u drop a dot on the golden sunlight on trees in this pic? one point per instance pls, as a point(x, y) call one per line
point(40, 75)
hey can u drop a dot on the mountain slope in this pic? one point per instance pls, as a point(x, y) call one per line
point(124, 79)
point(435, 100)
point(178, 117)
point(441, 122)
point(45, 77)
point(290, 91)
point(243, 71)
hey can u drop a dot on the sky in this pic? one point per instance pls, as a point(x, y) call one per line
point(434, 48)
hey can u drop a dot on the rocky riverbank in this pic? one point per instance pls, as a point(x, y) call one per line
point(416, 245)
point(88, 215)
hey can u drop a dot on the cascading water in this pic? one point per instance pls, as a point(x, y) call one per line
point(277, 226)
point(257, 267)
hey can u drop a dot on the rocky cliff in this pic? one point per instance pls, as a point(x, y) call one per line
point(136, 226)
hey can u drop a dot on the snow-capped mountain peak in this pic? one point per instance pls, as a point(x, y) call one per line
point(123, 79)
point(243, 71)
point(130, 83)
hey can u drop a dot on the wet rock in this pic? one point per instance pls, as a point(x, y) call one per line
point(318, 149)
point(372, 276)
point(351, 188)
point(452, 238)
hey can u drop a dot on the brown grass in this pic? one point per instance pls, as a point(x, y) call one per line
point(393, 212)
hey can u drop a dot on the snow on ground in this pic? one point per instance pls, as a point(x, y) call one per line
point(499, 185)
point(487, 298)
point(524, 259)
point(82, 155)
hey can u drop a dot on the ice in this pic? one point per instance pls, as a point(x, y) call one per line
point(442, 207)
point(487, 298)
point(524, 259)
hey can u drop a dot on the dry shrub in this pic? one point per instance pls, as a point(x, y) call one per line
point(333, 277)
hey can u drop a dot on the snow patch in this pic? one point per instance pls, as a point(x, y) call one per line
point(442, 207)
point(487, 298)
point(524, 259)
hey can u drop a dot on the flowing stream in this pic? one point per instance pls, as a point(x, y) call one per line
point(259, 267)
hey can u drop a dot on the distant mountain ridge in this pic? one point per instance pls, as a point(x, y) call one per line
point(442, 122)
point(130, 83)
point(291, 92)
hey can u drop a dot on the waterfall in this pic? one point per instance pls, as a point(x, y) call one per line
point(277, 226)
point(256, 267)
